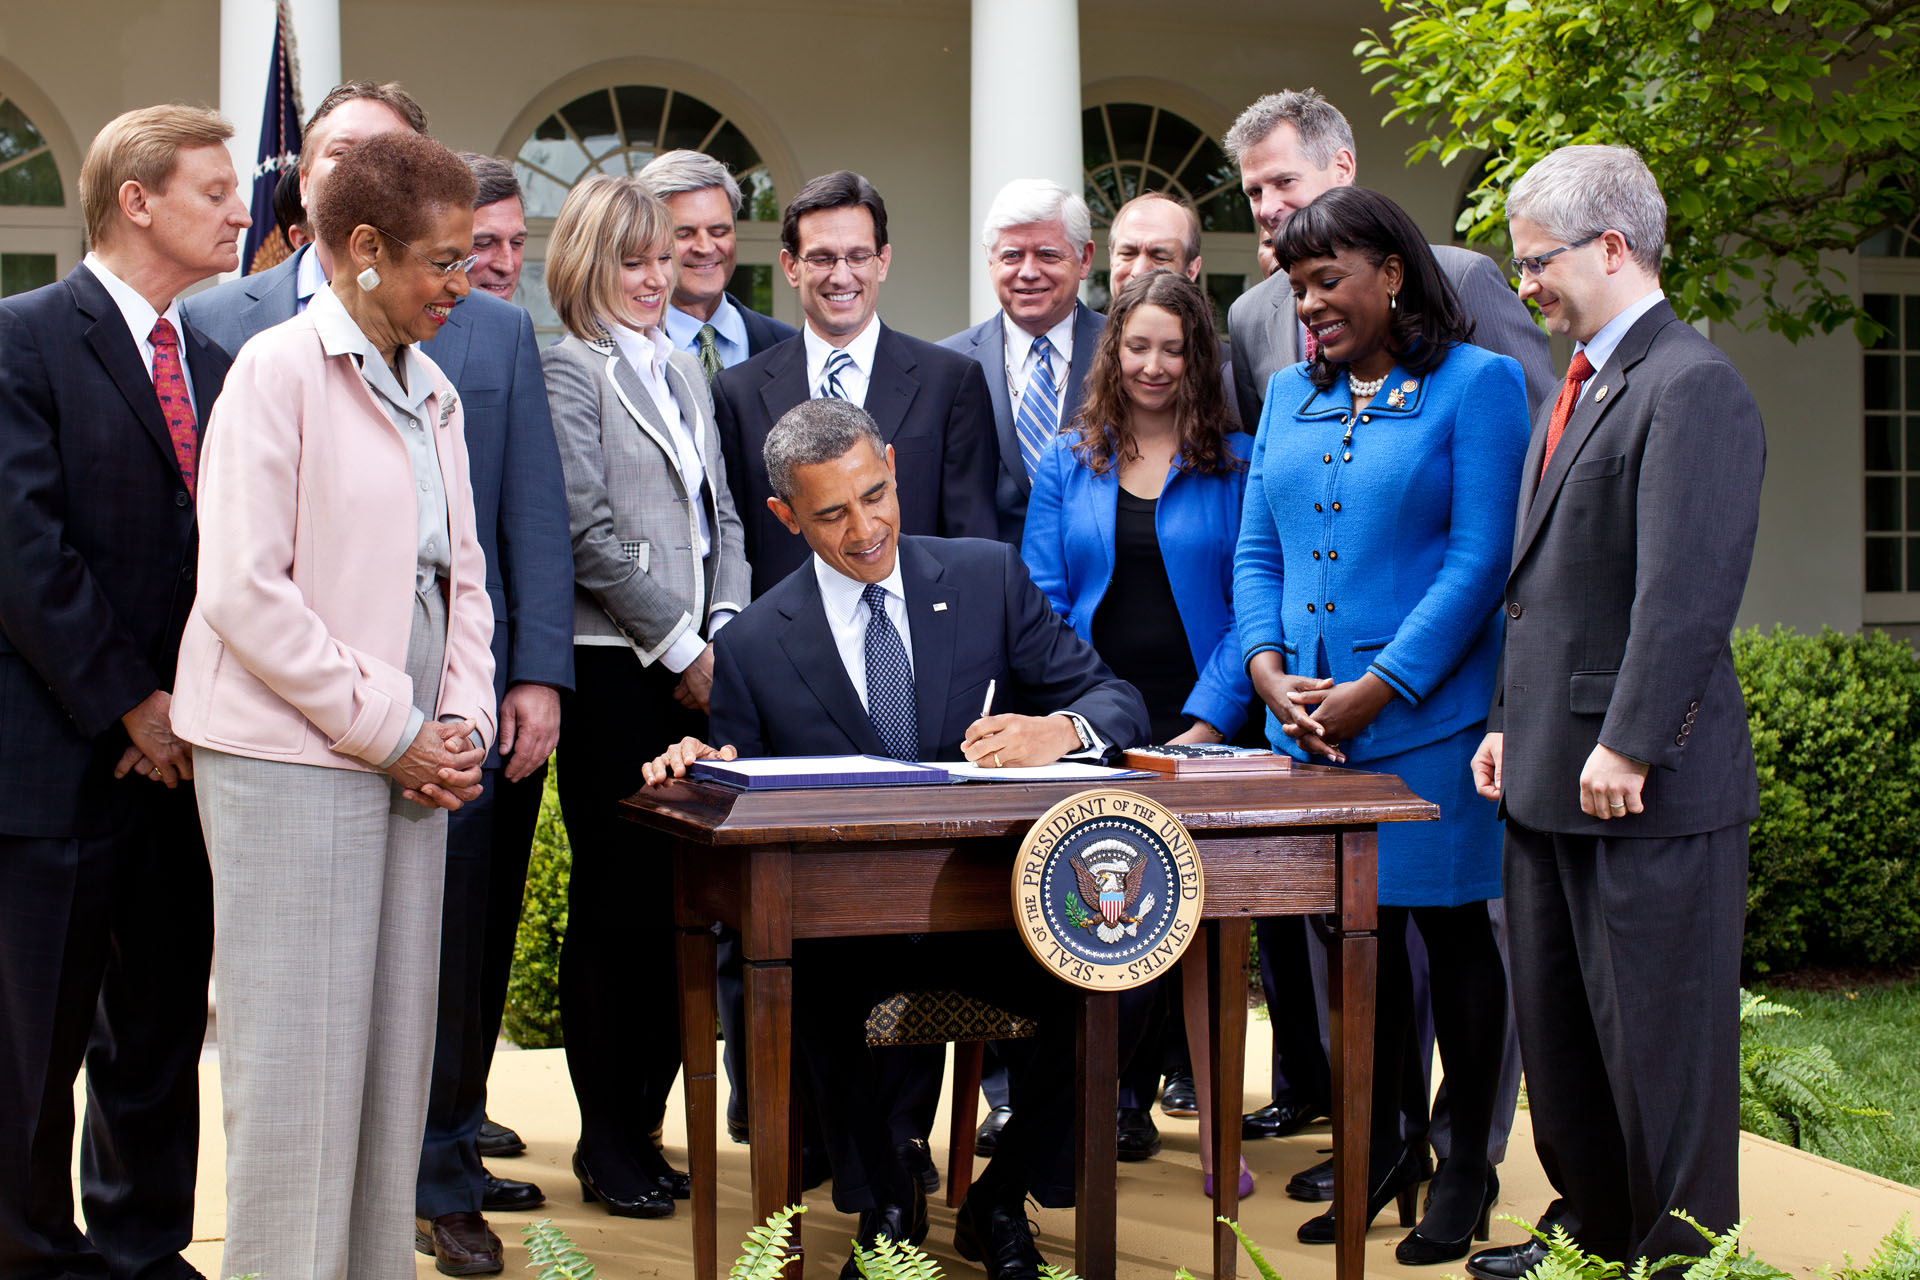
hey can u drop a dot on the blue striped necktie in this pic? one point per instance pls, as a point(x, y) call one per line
point(889, 679)
point(1039, 418)
point(837, 363)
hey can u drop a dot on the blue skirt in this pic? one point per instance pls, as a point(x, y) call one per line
point(1452, 861)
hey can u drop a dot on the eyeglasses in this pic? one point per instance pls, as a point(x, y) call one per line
point(825, 262)
point(1534, 266)
point(462, 265)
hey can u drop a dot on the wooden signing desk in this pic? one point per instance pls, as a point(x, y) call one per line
point(782, 865)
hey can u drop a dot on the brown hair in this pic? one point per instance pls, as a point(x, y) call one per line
point(841, 189)
point(394, 181)
point(389, 95)
point(603, 221)
point(1199, 405)
point(141, 146)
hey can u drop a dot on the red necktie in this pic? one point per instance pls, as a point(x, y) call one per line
point(176, 406)
point(1579, 369)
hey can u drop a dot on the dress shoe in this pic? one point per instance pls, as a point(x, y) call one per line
point(505, 1195)
point(1000, 1236)
point(459, 1244)
point(1420, 1249)
point(1246, 1183)
point(1507, 1261)
point(1286, 1114)
point(1136, 1138)
point(1312, 1184)
point(900, 1223)
point(649, 1201)
point(498, 1140)
point(1401, 1183)
point(1178, 1097)
point(987, 1141)
point(737, 1130)
point(918, 1162)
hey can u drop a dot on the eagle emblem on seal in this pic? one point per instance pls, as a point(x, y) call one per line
point(1109, 873)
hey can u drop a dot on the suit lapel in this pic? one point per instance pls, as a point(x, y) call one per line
point(892, 386)
point(931, 618)
point(1087, 324)
point(786, 384)
point(809, 644)
point(639, 402)
point(275, 294)
point(114, 345)
point(990, 353)
point(1285, 330)
point(208, 366)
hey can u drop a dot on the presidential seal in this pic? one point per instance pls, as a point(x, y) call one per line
point(1107, 889)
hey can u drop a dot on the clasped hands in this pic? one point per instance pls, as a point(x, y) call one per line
point(440, 767)
point(1318, 714)
point(999, 742)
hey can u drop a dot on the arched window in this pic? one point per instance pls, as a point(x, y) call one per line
point(618, 129)
point(1889, 281)
point(37, 229)
point(1132, 147)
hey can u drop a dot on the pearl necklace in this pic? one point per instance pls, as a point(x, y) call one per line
point(1366, 390)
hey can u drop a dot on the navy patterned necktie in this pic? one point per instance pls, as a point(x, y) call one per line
point(889, 678)
point(837, 363)
point(1039, 418)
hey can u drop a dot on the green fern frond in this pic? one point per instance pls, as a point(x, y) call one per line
point(552, 1250)
point(1050, 1272)
point(763, 1254)
point(891, 1260)
point(1265, 1268)
point(1897, 1258)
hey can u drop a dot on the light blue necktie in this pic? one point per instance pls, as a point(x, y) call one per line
point(889, 679)
point(837, 363)
point(1038, 420)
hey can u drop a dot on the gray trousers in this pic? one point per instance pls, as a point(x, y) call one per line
point(327, 888)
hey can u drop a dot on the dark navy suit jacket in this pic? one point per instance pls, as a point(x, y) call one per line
point(97, 548)
point(973, 615)
point(487, 351)
point(763, 331)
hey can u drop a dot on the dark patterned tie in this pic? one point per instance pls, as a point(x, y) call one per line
point(837, 363)
point(709, 353)
point(1039, 418)
point(889, 678)
point(176, 406)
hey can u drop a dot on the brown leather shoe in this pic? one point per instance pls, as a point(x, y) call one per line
point(459, 1244)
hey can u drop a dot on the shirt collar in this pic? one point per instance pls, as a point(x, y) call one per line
point(134, 309)
point(1020, 342)
point(340, 335)
point(841, 594)
point(864, 344)
point(647, 350)
point(684, 327)
point(308, 278)
point(1607, 341)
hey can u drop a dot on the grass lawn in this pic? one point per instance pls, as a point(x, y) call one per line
point(1873, 1030)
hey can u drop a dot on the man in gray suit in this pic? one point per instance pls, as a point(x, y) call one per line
point(1038, 238)
point(1630, 782)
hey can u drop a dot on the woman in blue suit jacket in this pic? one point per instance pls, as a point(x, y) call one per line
point(1372, 557)
point(1130, 532)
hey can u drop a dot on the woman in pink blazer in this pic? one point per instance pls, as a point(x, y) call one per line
point(336, 680)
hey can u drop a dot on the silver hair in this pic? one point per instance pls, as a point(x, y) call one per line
point(814, 431)
point(1323, 131)
point(1581, 191)
point(1027, 200)
point(672, 173)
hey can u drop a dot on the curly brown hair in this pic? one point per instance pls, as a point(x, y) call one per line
point(1199, 404)
point(397, 182)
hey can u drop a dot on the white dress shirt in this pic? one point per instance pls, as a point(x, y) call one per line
point(1021, 361)
point(729, 332)
point(140, 317)
point(854, 380)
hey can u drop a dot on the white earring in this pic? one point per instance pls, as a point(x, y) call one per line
point(368, 280)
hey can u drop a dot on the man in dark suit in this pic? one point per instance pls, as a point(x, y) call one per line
point(1038, 237)
point(886, 645)
point(931, 405)
point(487, 350)
point(703, 318)
point(1617, 744)
point(106, 901)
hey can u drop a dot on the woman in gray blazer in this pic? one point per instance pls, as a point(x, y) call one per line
point(658, 569)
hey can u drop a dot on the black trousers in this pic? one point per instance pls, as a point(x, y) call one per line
point(619, 984)
point(488, 844)
point(1626, 977)
point(105, 946)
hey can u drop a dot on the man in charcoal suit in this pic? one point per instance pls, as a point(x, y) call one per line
point(1617, 743)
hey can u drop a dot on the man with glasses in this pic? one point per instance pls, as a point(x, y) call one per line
point(487, 350)
point(1617, 744)
point(931, 404)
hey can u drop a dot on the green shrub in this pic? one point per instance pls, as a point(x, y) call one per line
point(1836, 738)
point(532, 1018)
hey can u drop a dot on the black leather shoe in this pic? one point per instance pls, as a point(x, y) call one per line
point(1508, 1261)
point(999, 1236)
point(649, 1201)
point(505, 1195)
point(1401, 1183)
point(900, 1223)
point(1313, 1184)
point(1420, 1249)
point(918, 1162)
point(1178, 1097)
point(1137, 1139)
point(987, 1141)
point(459, 1244)
point(1286, 1114)
point(498, 1140)
point(737, 1130)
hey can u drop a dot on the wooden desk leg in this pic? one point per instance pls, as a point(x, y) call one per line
point(772, 1118)
point(1095, 1221)
point(697, 981)
point(1226, 954)
point(1350, 987)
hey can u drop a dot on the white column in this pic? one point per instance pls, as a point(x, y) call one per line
point(1026, 111)
point(246, 45)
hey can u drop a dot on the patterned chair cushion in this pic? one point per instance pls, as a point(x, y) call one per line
point(936, 1017)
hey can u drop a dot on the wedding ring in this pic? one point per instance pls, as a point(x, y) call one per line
point(996, 760)
point(1616, 804)
point(156, 773)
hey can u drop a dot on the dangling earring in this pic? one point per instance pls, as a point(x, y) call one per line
point(1393, 299)
point(368, 280)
